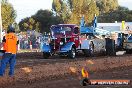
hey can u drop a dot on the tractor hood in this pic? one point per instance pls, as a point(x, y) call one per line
point(62, 30)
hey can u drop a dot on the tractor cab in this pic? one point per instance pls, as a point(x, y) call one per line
point(64, 33)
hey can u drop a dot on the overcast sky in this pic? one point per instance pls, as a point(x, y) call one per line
point(26, 8)
point(126, 3)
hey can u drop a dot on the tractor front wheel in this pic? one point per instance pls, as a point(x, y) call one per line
point(72, 53)
point(91, 49)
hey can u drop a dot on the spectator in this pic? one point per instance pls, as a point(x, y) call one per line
point(10, 42)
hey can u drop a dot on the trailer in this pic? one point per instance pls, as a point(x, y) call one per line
point(122, 37)
point(123, 40)
point(127, 44)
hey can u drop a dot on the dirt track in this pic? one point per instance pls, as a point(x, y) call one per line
point(30, 59)
point(73, 81)
point(34, 72)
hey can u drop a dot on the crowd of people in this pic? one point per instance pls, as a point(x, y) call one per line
point(29, 40)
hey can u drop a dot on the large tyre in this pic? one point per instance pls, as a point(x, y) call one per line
point(72, 53)
point(110, 47)
point(91, 49)
point(46, 55)
point(89, 52)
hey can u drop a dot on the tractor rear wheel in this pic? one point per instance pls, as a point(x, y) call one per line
point(90, 51)
point(72, 53)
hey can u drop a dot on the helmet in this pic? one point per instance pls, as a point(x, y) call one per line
point(10, 29)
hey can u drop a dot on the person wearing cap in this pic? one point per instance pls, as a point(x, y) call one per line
point(10, 42)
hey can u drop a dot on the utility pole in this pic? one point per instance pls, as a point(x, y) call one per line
point(0, 23)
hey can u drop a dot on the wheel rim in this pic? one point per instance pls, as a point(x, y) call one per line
point(73, 53)
point(91, 49)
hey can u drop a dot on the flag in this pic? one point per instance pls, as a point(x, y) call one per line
point(82, 22)
point(95, 21)
point(123, 25)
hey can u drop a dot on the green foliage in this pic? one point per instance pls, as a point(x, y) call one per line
point(8, 14)
point(40, 22)
point(71, 11)
point(121, 14)
point(17, 30)
point(23, 24)
point(29, 24)
point(57, 6)
point(87, 8)
point(107, 5)
point(62, 9)
point(46, 18)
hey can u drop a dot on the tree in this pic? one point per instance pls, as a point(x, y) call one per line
point(8, 14)
point(29, 23)
point(73, 10)
point(121, 8)
point(16, 26)
point(61, 9)
point(41, 21)
point(121, 14)
point(107, 5)
point(23, 24)
point(46, 19)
